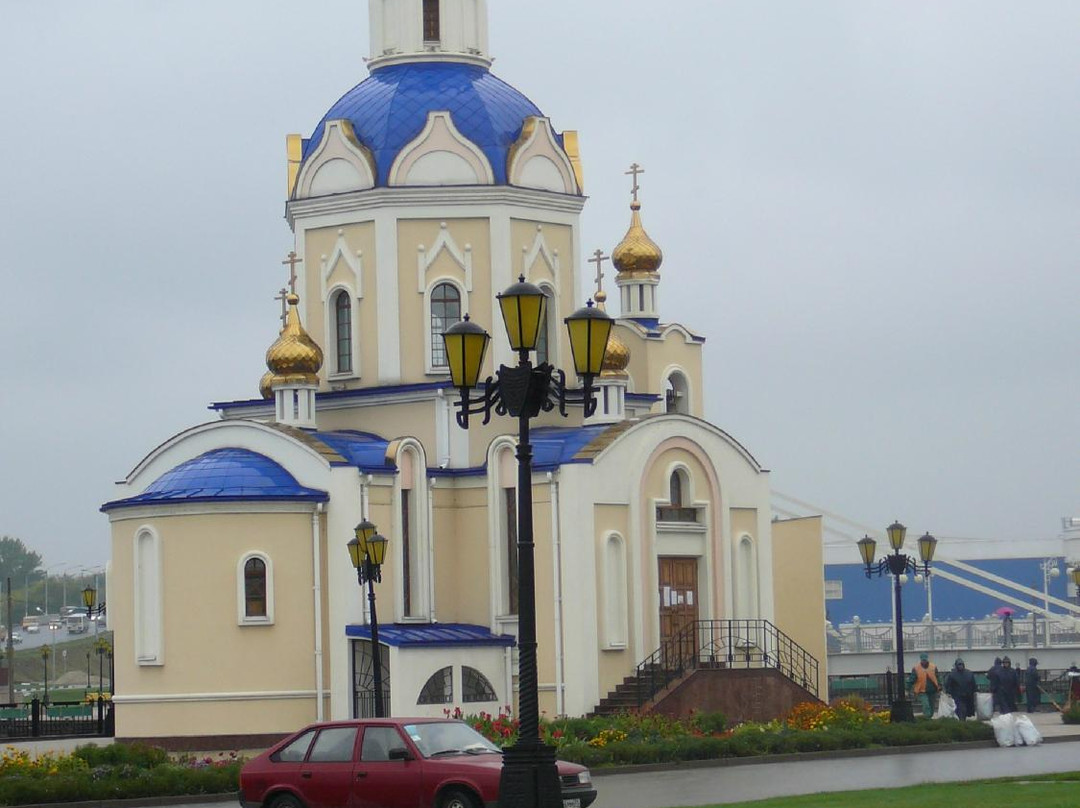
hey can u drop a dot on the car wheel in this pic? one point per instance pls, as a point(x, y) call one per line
point(455, 798)
point(285, 801)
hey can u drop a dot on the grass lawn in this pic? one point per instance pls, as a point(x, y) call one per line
point(1040, 791)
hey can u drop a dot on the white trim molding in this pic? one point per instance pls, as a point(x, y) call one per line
point(242, 617)
point(441, 155)
point(538, 161)
point(339, 164)
point(426, 256)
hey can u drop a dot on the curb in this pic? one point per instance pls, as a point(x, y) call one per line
point(794, 757)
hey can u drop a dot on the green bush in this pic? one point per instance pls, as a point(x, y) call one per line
point(139, 755)
point(1072, 715)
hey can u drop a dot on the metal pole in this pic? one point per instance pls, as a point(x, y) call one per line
point(901, 710)
point(529, 778)
point(10, 646)
point(376, 661)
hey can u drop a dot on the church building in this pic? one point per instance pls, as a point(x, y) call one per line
point(425, 191)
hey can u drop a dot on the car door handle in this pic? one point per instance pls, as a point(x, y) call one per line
point(360, 775)
point(306, 775)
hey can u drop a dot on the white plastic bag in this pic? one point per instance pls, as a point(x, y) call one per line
point(984, 706)
point(946, 707)
point(1026, 731)
point(1004, 729)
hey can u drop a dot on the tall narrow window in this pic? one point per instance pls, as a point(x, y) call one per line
point(677, 394)
point(255, 588)
point(148, 607)
point(676, 490)
point(543, 343)
point(406, 552)
point(445, 311)
point(510, 514)
point(431, 21)
point(343, 331)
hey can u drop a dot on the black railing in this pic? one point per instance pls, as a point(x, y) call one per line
point(73, 719)
point(364, 703)
point(726, 644)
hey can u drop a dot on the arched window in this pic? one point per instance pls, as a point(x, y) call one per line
point(677, 394)
point(445, 311)
point(475, 686)
point(544, 352)
point(431, 21)
point(149, 635)
point(439, 689)
point(343, 331)
point(255, 588)
point(746, 580)
point(679, 508)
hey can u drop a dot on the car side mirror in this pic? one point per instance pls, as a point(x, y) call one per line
point(399, 753)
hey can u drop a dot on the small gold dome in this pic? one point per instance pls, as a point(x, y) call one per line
point(294, 358)
point(616, 357)
point(265, 390)
point(637, 253)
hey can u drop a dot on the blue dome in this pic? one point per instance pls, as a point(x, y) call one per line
point(223, 475)
point(390, 108)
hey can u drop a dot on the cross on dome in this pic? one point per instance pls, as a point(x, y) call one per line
point(599, 258)
point(634, 171)
point(291, 261)
point(283, 296)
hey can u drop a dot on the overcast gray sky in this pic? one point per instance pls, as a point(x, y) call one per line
point(871, 209)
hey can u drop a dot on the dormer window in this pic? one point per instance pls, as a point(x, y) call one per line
point(431, 21)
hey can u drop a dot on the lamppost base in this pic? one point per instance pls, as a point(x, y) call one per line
point(530, 778)
point(900, 711)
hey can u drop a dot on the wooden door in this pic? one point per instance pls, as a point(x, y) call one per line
point(678, 595)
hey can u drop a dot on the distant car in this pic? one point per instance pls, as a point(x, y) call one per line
point(388, 762)
point(16, 637)
point(33, 628)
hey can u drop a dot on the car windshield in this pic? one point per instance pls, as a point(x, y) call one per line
point(448, 738)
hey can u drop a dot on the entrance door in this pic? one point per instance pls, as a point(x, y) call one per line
point(678, 595)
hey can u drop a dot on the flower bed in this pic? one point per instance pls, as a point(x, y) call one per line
point(117, 771)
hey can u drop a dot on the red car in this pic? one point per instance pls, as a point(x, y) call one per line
point(388, 763)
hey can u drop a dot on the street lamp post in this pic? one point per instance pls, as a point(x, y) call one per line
point(1050, 569)
point(367, 551)
point(897, 564)
point(89, 597)
point(46, 652)
point(529, 778)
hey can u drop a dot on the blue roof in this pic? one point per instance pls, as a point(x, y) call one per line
point(432, 635)
point(390, 108)
point(223, 475)
point(556, 446)
point(360, 449)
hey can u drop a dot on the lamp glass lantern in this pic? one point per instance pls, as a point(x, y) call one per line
point(897, 532)
point(89, 595)
point(927, 546)
point(867, 549)
point(524, 306)
point(466, 343)
point(1074, 576)
point(589, 329)
point(376, 549)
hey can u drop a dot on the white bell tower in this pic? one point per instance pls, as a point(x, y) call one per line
point(428, 31)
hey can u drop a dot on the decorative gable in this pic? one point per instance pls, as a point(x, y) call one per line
point(538, 161)
point(340, 164)
point(441, 155)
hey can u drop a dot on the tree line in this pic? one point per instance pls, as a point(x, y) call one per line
point(34, 589)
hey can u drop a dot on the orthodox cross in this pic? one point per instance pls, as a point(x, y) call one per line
point(291, 262)
point(634, 171)
point(599, 258)
point(282, 294)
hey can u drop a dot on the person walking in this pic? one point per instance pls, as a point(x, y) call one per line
point(1031, 685)
point(960, 684)
point(1008, 687)
point(1007, 631)
point(1073, 678)
point(993, 676)
point(923, 681)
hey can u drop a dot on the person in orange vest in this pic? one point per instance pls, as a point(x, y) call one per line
point(923, 681)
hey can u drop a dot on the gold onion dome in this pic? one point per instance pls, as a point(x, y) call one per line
point(617, 354)
point(637, 254)
point(294, 358)
point(265, 389)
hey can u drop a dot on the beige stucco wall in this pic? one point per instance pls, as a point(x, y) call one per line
point(799, 570)
point(200, 554)
point(412, 315)
point(461, 553)
point(319, 245)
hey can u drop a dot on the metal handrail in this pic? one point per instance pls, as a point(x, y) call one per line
point(726, 644)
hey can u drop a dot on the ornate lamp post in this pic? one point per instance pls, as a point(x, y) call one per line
point(896, 564)
point(367, 551)
point(529, 776)
point(89, 598)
